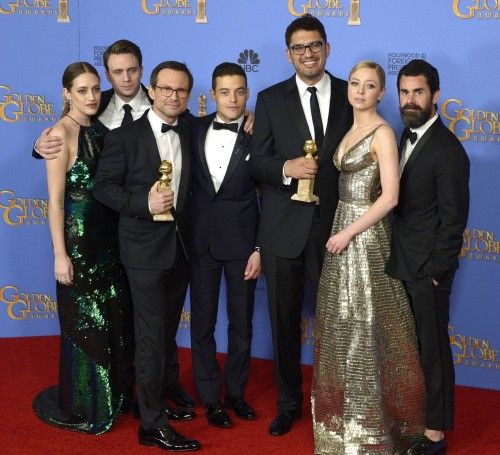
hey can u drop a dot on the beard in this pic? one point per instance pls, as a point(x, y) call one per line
point(415, 117)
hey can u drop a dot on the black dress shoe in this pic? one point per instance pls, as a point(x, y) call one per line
point(168, 439)
point(217, 415)
point(180, 397)
point(425, 446)
point(240, 407)
point(171, 413)
point(281, 425)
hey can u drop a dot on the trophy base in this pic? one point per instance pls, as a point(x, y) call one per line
point(202, 20)
point(354, 22)
point(163, 217)
point(304, 198)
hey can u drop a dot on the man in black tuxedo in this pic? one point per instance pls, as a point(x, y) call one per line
point(428, 223)
point(225, 217)
point(126, 101)
point(293, 235)
point(153, 252)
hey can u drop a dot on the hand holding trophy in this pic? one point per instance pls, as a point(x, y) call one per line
point(306, 186)
point(164, 185)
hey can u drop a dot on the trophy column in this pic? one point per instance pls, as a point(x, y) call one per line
point(354, 18)
point(63, 11)
point(201, 17)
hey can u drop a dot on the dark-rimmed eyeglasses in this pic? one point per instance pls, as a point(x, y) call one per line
point(167, 92)
point(299, 49)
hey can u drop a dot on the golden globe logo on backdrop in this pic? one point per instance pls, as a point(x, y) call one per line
point(21, 305)
point(480, 245)
point(37, 7)
point(326, 9)
point(469, 124)
point(18, 211)
point(472, 351)
point(22, 107)
point(476, 9)
point(176, 8)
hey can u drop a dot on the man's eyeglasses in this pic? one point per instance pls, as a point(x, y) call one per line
point(299, 49)
point(168, 91)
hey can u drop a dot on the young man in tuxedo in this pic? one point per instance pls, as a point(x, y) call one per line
point(428, 223)
point(125, 102)
point(312, 104)
point(153, 252)
point(224, 222)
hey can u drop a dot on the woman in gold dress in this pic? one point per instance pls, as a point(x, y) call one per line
point(367, 390)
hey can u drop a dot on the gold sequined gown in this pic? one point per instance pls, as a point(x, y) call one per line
point(367, 390)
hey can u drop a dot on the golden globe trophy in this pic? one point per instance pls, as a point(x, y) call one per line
point(354, 18)
point(306, 186)
point(164, 185)
point(202, 105)
point(201, 17)
point(63, 11)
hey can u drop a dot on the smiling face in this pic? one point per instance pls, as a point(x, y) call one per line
point(416, 102)
point(310, 66)
point(124, 73)
point(365, 89)
point(84, 95)
point(230, 96)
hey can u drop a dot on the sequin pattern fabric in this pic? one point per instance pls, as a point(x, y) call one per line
point(367, 391)
point(90, 312)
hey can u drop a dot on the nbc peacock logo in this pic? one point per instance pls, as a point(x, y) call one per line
point(249, 61)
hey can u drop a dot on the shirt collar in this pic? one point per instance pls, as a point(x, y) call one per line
point(239, 120)
point(135, 102)
point(156, 121)
point(422, 129)
point(321, 85)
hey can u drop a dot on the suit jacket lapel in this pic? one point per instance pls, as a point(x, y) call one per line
point(420, 145)
point(151, 146)
point(201, 138)
point(292, 100)
point(238, 154)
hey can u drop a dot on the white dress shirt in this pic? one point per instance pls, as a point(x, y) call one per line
point(408, 147)
point(112, 116)
point(169, 146)
point(219, 145)
point(323, 93)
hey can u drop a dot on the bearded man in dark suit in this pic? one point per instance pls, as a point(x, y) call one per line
point(428, 223)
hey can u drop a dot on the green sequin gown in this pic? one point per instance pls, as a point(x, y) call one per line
point(367, 389)
point(89, 394)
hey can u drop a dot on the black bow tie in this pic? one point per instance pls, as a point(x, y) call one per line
point(226, 126)
point(166, 127)
point(409, 134)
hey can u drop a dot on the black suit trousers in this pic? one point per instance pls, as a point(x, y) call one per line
point(430, 306)
point(158, 297)
point(206, 274)
point(285, 279)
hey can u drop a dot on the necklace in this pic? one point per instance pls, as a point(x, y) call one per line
point(78, 123)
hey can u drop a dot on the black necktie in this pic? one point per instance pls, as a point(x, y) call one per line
point(316, 116)
point(409, 134)
point(226, 126)
point(166, 127)
point(127, 118)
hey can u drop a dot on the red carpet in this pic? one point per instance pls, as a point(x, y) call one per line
point(30, 364)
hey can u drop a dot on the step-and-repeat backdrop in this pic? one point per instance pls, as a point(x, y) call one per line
point(460, 37)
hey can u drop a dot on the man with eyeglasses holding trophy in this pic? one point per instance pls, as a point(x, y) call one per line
point(153, 252)
point(312, 104)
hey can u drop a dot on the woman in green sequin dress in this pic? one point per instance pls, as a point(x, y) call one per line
point(87, 269)
point(367, 391)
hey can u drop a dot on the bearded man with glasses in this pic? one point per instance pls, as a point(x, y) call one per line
point(312, 104)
